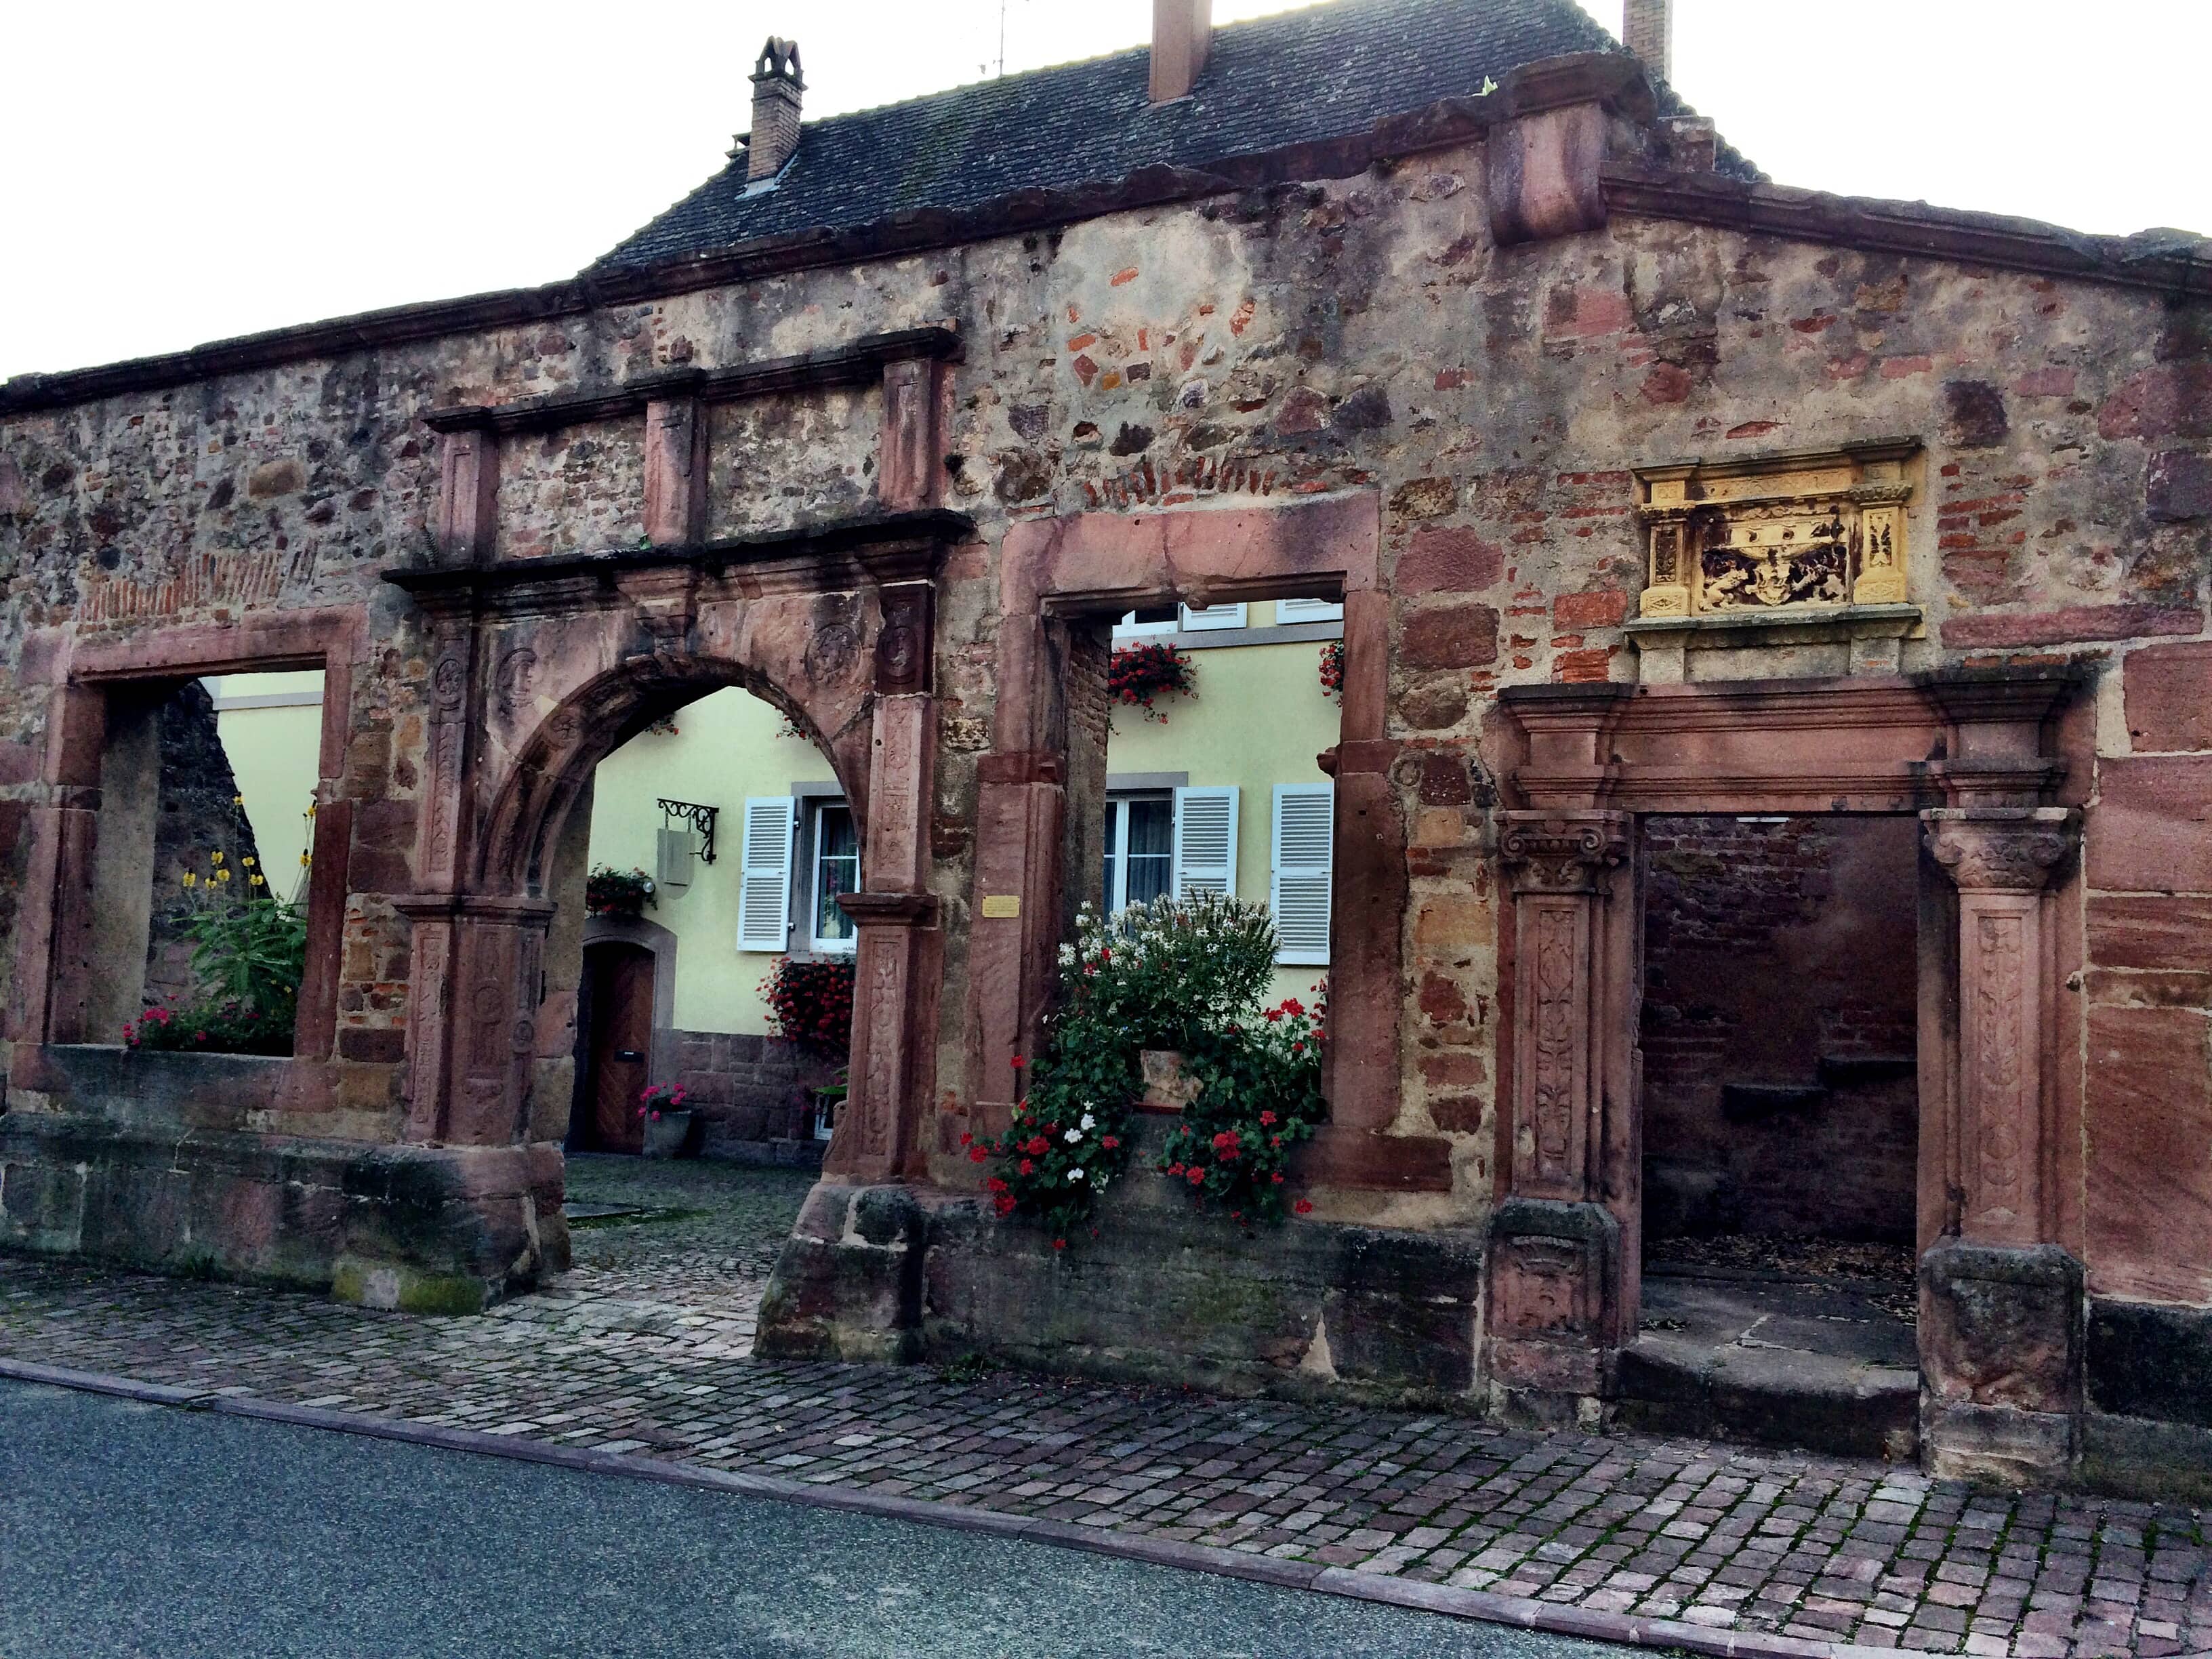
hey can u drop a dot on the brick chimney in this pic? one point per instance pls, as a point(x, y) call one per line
point(777, 88)
point(1181, 31)
point(1647, 30)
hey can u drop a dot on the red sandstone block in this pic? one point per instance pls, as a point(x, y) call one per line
point(1440, 561)
point(2149, 1120)
point(2173, 399)
point(2178, 486)
point(2169, 696)
point(2151, 831)
point(2150, 933)
point(2080, 622)
point(1451, 636)
point(1599, 609)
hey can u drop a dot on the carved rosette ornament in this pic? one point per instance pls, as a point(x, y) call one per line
point(1561, 852)
point(2001, 850)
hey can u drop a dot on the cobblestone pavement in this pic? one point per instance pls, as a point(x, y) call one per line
point(644, 1347)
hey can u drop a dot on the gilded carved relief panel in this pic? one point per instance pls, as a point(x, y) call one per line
point(1790, 531)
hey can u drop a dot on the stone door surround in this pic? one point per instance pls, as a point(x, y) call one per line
point(1971, 752)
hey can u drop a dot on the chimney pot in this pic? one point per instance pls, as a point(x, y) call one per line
point(777, 89)
point(1647, 30)
point(1181, 31)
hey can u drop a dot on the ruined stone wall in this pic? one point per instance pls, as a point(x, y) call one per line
point(1362, 334)
point(1779, 1027)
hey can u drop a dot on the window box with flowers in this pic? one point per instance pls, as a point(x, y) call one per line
point(1136, 674)
point(623, 893)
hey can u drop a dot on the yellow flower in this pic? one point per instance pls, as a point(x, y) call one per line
point(215, 858)
point(191, 880)
point(222, 875)
point(238, 800)
point(248, 863)
point(303, 860)
point(311, 809)
point(254, 881)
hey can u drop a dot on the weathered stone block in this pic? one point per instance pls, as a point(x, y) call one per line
point(2169, 696)
point(1449, 636)
point(2148, 832)
point(2000, 1359)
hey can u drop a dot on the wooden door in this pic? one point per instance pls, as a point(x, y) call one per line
point(621, 1042)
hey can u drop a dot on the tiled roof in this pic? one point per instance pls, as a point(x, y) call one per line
point(1325, 72)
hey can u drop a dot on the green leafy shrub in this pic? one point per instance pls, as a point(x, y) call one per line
point(1259, 1095)
point(249, 955)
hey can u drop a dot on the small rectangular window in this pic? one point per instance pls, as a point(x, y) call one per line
point(1140, 849)
point(1212, 615)
point(1151, 619)
point(1309, 610)
point(837, 869)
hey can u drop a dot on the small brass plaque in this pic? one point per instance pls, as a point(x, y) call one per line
point(1002, 904)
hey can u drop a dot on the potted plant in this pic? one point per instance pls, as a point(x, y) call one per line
point(667, 1121)
point(610, 892)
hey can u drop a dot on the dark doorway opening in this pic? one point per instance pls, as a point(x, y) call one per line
point(1780, 1126)
point(615, 1012)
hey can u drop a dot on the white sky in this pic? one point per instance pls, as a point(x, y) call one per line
point(177, 173)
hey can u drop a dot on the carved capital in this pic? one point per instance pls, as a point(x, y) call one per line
point(2003, 850)
point(1561, 852)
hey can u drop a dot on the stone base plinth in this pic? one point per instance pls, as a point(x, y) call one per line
point(432, 1230)
point(2001, 1363)
point(1554, 1310)
point(1303, 1310)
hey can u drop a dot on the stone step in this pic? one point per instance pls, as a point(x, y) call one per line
point(1815, 1366)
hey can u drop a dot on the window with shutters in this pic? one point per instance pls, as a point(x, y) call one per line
point(1309, 610)
point(1204, 840)
point(1140, 849)
point(1298, 888)
point(764, 878)
point(836, 866)
point(1200, 619)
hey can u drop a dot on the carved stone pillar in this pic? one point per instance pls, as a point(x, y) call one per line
point(910, 471)
point(475, 974)
point(894, 1037)
point(467, 496)
point(1557, 1309)
point(2002, 1302)
point(2001, 860)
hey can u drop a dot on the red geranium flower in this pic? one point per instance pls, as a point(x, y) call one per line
point(1197, 1174)
point(1025, 1168)
point(1110, 1142)
point(1303, 1206)
point(977, 1154)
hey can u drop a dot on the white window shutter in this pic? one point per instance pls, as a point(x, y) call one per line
point(1212, 615)
point(1298, 893)
point(1204, 840)
point(1309, 610)
point(764, 877)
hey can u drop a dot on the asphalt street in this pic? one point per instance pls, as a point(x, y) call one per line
point(142, 1530)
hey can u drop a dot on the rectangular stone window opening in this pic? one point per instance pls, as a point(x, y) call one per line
point(197, 936)
point(1220, 790)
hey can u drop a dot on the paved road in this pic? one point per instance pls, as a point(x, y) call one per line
point(129, 1529)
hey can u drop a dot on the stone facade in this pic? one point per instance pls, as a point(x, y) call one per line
point(898, 483)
